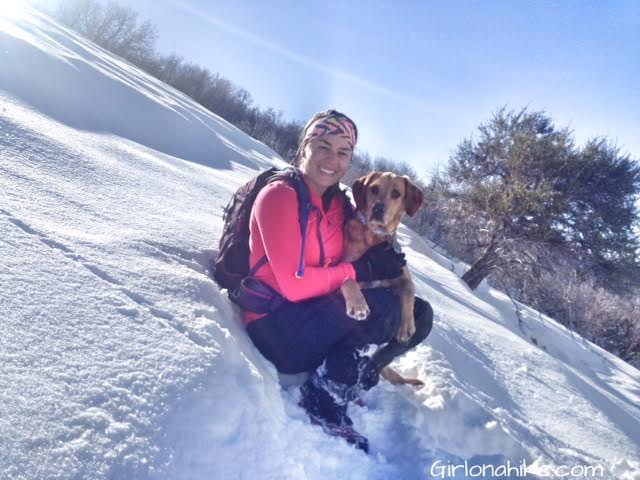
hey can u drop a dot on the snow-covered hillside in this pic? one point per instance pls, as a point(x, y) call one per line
point(121, 359)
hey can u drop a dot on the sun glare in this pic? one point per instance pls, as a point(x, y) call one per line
point(13, 8)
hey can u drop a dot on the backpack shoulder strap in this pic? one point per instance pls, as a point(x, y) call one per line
point(293, 177)
point(347, 206)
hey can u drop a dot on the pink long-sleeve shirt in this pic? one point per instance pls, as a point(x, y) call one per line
point(275, 232)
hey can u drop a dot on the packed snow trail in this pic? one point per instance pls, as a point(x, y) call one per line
point(122, 359)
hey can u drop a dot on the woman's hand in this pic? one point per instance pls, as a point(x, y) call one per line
point(380, 262)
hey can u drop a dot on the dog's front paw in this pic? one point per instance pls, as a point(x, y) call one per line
point(359, 311)
point(357, 307)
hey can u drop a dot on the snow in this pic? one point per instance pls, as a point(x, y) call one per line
point(122, 359)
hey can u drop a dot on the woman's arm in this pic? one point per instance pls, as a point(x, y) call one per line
point(276, 217)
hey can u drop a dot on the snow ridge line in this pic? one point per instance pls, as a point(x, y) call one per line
point(162, 315)
point(66, 251)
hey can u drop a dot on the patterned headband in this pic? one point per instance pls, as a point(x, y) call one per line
point(332, 125)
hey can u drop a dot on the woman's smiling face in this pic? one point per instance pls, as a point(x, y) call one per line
point(326, 160)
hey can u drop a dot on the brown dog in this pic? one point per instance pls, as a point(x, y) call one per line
point(382, 198)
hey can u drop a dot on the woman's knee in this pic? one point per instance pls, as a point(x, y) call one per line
point(423, 317)
point(384, 319)
point(382, 300)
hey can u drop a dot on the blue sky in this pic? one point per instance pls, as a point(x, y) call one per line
point(419, 76)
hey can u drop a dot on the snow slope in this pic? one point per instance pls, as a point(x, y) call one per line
point(121, 359)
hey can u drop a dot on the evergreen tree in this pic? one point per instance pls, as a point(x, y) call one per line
point(524, 183)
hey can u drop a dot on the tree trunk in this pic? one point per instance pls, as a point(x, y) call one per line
point(482, 267)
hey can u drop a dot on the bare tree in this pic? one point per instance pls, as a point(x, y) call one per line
point(112, 26)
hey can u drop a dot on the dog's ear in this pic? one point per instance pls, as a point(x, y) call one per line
point(414, 197)
point(359, 189)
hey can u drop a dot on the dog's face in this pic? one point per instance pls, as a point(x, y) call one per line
point(383, 197)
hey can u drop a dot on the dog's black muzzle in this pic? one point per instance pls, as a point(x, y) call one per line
point(377, 212)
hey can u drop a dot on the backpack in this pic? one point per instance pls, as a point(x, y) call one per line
point(231, 269)
point(232, 263)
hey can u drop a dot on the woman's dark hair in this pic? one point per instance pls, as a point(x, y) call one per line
point(327, 113)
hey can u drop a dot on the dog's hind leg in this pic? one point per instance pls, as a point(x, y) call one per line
point(423, 315)
point(385, 355)
point(393, 377)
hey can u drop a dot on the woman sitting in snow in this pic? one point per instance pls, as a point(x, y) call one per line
point(311, 332)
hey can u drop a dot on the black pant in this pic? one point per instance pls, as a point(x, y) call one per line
point(298, 337)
